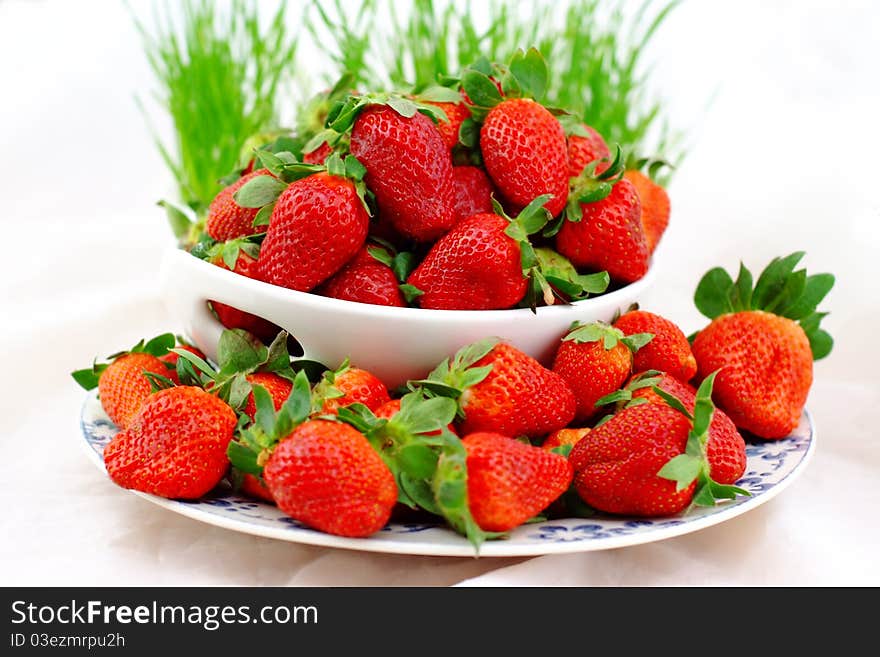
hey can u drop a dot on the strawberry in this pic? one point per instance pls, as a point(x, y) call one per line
point(473, 191)
point(318, 155)
point(502, 390)
point(456, 113)
point(326, 475)
point(649, 460)
point(602, 229)
point(763, 341)
point(525, 153)
point(278, 387)
point(509, 482)
point(227, 219)
point(408, 168)
point(564, 437)
point(318, 224)
point(654, 203)
point(586, 145)
point(175, 446)
point(126, 382)
point(484, 263)
point(255, 487)
point(669, 350)
point(245, 265)
point(595, 360)
point(725, 449)
point(366, 279)
point(349, 385)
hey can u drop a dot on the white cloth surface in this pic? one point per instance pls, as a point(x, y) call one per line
point(784, 158)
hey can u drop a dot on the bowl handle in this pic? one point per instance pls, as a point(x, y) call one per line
point(188, 284)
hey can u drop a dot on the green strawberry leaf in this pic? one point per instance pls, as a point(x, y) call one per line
point(439, 94)
point(614, 397)
point(469, 133)
point(704, 409)
point(239, 351)
point(406, 108)
point(773, 279)
point(259, 191)
point(531, 72)
point(673, 401)
point(480, 88)
point(418, 461)
point(821, 343)
point(88, 378)
point(637, 340)
point(160, 345)
point(682, 469)
point(410, 292)
point(815, 289)
point(740, 293)
point(450, 494)
point(403, 265)
point(243, 458)
point(419, 492)
point(712, 297)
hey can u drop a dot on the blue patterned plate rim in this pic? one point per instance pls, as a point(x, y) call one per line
point(771, 467)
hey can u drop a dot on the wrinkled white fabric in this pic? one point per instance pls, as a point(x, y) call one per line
point(784, 159)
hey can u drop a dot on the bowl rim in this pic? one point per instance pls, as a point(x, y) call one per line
point(178, 256)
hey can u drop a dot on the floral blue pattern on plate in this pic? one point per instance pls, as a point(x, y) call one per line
point(771, 466)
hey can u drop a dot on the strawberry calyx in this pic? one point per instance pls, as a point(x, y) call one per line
point(228, 252)
point(610, 336)
point(401, 263)
point(313, 117)
point(780, 289)
point(428, 461)
point(590, 187)
point(526, 75)
point(452, 378)
point(254, 442)
point(159, 346)
point(650, 166)
point(693, 464)
point(325, 389)
point(283, 168)
point(238, 354)
point(624, 398)
point(555, 278)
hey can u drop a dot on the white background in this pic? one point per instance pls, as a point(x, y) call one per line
point(785, 158)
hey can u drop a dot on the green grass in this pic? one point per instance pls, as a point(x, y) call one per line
point(595, 50)
point(219, 77)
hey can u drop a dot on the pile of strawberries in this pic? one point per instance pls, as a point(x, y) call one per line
point(472, 195)
point(491, 438)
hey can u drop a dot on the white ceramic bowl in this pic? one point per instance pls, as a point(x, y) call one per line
point(396, 344)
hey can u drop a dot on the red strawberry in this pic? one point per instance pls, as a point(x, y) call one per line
point(456, 113)
point(319, 223)
point(473, 191)
point(319, 155)
point(233, 318)
point(595, 360)
point(654, 203)
point(616, 464)
point(175, 446)
point(123, 388)
point(606, 234)
point(668, 351)
point(478, 265)
point(502, 390)
point(277, 386)
point(326, 475)
point(564, 437)
point(253, 486)
point(525, 153)
point(357, 387)
point(366, 280)
point(226, 219)
point(762, 342)
point(650, 460)
point(509, 482)
point(583, 149)
point(409, 169)
point(725, 449)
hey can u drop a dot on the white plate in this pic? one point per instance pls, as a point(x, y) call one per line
point(771, 466)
